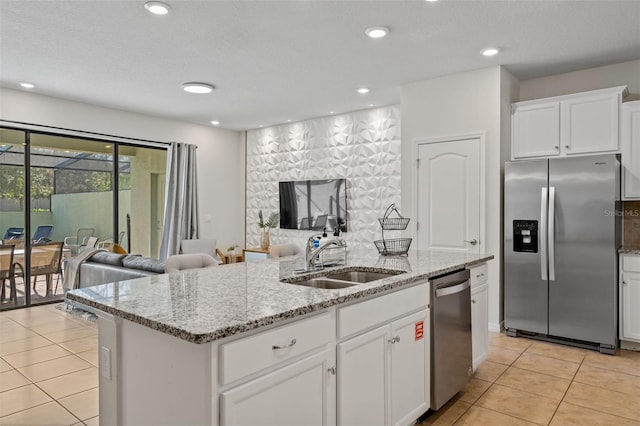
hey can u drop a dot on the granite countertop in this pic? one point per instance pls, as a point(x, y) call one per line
point(629, 250)
point(208, 304)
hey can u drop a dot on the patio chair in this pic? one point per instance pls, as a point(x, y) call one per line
point(7, 272)
point(43, 234)
point(46, 259)
point(14, 233)
point(76, 243)
point(18, 244)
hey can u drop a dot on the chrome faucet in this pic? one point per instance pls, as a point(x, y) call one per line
point(313, 252)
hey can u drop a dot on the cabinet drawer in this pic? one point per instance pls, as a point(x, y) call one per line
point(360, 316)
point(479, 274)
point(254, 353)
point(630, 263)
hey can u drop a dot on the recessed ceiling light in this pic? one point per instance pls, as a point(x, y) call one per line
point(363, 90)
point(27, 85)
point(215, 122)
point(198, 88)
point(377, 32)
point(370, 105)
point(331, 112)
point(157, 7)
point(107, 146)
point(288, 121)
point(431, 1)
point(490, 51)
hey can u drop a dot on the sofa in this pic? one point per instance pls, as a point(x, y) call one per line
point(105, 267)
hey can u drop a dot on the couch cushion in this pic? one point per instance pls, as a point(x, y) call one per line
point(107, 258)
point(143, 263)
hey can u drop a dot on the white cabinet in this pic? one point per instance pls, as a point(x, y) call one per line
point(362, 379)
point(630, 298)
point(282, 376)
point(630, 140)
point(298, 394)
point(479, 314)
point(536, 130)
point(383, 374)
point(383, 359)
point(578, 124)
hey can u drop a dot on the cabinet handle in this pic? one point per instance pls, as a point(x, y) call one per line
point(567, 146)
point(557, 147)
point(394, 340)
point(332, 370)
point(473, 242)
point(473, 300)
point(624, 282)
point(293, 342)
point(479, 275)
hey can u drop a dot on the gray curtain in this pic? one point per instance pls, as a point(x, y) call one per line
point(181, 208)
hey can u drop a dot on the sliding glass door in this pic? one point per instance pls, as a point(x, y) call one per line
point(142, 174)
point(75, 204)
point(13, 205)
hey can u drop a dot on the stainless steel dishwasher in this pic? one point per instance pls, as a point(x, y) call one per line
point(451, 359)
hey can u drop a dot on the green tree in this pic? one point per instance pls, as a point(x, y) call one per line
point(12, 183)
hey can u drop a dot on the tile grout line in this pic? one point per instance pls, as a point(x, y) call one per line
point(489, 387)
point(568, 387)
point(56, 400)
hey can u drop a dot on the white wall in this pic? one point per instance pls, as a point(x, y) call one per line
point(623, 74)
point(454, 105)
point(361, 146)
point(220, 152)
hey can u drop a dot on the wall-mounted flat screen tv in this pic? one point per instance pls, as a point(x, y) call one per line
point(314, 204)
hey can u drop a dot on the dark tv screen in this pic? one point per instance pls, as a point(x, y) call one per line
point(314, 204)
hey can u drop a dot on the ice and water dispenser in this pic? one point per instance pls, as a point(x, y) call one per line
point(525, 236)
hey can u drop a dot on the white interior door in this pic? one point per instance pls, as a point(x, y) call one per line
point(448, 198)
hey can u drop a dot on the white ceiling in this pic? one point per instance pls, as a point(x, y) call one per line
point(273, 61)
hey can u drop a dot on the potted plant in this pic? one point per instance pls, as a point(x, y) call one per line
point(231, 253)
point(266, 225)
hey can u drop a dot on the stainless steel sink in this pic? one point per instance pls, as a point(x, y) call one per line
point(360, 276)
point(325, 283)
point(344, 279)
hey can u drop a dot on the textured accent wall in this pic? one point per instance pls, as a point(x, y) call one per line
point(362, 146)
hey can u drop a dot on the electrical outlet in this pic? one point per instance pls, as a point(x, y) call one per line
point(105, 362)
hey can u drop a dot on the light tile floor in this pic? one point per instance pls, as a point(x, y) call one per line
point(48, 376)
point(48, 373)
point(528, 382)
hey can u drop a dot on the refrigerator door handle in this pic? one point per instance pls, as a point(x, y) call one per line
point(552, 233)
point(543, 233)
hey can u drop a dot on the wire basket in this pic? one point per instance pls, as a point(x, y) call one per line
point(393, 223)
point(394, 246)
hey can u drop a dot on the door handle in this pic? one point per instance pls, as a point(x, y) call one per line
point(544, 211)
point(552, 234)
point(473, 242)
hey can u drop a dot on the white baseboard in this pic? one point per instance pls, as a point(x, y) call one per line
point(495, 327)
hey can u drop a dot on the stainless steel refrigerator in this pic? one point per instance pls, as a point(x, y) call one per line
point(561, 237)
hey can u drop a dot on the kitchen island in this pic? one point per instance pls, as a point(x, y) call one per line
point(235, 344)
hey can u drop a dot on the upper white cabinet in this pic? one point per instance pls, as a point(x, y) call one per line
point(630, 137)
point(582, 123)
point(536, 130)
